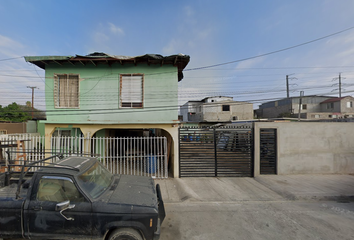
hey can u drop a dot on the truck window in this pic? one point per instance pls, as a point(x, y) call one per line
point(95, 180)
point(58, 190)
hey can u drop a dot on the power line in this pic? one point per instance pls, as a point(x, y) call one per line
point(8, 59)
point(106, 76)
point(270, 53)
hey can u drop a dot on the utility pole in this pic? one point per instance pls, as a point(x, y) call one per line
point(287, 84)
point(32, 97)
point(300, 103)
point(339, 84)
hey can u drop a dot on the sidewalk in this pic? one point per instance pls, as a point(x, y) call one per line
point(311, 187)
point(261, 188)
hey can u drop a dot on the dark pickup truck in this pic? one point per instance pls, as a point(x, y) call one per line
point(77, 197)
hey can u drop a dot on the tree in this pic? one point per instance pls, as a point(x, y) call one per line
point(37, 114)
point(13, 113)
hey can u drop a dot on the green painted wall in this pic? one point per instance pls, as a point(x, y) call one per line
point(99, 89)
point(40, 128)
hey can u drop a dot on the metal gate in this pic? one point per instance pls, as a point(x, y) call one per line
point(143, 156)
point(268, 151)
point(216, 152)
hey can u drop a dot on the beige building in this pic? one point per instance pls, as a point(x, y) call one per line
point(308, 107)
point(216, 109)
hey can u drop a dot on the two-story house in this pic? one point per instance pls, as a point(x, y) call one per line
point(341, 107)
point(216, 109)
point(102, 95)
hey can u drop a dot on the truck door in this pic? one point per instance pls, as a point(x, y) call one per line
point(58, 208)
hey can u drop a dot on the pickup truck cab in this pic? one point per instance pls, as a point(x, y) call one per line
point(77, 197)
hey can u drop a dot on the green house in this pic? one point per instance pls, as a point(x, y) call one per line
point(102, 95)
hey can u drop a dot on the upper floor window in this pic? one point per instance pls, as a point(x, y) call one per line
point(349, 104)
point(131, 90)
point(330, 105)
point(66, 90)
point(304, 106)
point(226, 108)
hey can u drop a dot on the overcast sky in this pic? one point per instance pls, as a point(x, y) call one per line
point(211, 32)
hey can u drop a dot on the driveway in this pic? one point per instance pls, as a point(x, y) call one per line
point(265, 207)
point(260, 188)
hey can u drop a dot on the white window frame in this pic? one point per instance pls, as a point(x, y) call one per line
point(131, 90)
point(63, 99)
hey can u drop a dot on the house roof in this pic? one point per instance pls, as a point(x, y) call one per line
point(295, 97)
point(178, 60)
point(333, 100)
point(215, 97)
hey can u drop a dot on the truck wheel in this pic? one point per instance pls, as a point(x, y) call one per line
point(125, 234)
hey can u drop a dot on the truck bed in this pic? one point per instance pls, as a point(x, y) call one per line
point(9, 192)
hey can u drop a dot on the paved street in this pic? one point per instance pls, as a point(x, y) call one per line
point(271, 207)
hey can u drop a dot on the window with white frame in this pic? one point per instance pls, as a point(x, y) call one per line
point(66, 90)
point(131, 90)
point(349, 104)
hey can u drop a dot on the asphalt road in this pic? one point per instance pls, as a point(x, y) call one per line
point(258, 220)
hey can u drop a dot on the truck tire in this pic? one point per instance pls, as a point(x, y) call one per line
point(125, 234)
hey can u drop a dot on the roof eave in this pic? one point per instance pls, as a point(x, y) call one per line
point(179, 60)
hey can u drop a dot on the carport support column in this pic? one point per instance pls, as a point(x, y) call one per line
point(48, 133)
point(87, 132)
point(172, 131)
point(175, 150)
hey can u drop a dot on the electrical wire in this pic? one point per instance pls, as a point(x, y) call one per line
point(270, 53)
point(191, 69)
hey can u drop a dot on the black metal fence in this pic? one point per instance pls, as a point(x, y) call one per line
point(268, 151)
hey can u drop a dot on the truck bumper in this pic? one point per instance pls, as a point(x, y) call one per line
point(158, 230)
point(162, 212)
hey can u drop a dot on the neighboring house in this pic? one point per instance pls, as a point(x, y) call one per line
point(338, 107)
point(101, 95)
point(216, 109)
point(17, 128)
point(312, 107)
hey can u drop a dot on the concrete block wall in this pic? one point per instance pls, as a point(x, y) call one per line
point(311, 148)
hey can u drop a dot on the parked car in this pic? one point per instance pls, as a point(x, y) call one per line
point(77, 197)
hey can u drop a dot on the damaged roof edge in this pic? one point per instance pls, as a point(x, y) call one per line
point(179, 60)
